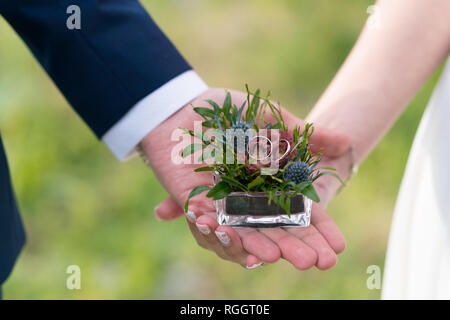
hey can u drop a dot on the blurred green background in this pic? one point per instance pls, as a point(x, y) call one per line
point(81, 206)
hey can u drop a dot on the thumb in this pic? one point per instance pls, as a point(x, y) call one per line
point(333, 143)
point(168, 210)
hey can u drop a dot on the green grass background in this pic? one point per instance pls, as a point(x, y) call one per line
point(81, 206)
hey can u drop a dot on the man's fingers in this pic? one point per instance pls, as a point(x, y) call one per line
point(326, 257)
point(327, 228)
point(256, 243)
point(168, 209)
point(292, 249)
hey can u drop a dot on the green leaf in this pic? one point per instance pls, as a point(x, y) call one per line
point(330, 174)
point(256, 99)
point(197, 190)
point(215, 106)
point(253, 106)
point(203, 137)
point(233, 182)
point(309, 191)
point(299, 187)
point(199, 135)
point(227, 103)
point(277, 126)
point(287, 208)
point(208, 123)
point(327, 168)
point(296, 133)
point(301, 154)
point(204, 157)
point(234, 111)
point(277, 179)
point(204, 112)
point(201, 169)
point(192, 148)
point(256, 182)
point(219, 191)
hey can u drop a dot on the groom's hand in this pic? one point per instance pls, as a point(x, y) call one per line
point(303, 247)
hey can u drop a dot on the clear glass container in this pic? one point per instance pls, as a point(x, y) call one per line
point(252, 210)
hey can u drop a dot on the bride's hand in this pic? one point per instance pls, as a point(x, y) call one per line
point(316, 245)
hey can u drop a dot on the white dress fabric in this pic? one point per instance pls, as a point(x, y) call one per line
point(418, 258)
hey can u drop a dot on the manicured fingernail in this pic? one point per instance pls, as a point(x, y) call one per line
point(191, 216)
point(223, 237)
point(154, 211)
point(256, 265)
point(203, 228)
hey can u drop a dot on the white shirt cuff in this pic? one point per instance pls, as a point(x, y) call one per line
point(152, 110)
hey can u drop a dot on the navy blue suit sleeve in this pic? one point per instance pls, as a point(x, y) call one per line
point(117, 57)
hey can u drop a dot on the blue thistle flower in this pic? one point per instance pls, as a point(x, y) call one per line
point(298, 172)
point(238, 130)
point(240, 125)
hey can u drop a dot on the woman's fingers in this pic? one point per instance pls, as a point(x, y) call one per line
point(253, 262)
point(222, 240)
point(231, 241)
point(333, 143)
point(232, 245)
point(203, 227)
point(292, 249)
point(206, 225)
point(168, 209)
point(327, 228)
point(191, 219)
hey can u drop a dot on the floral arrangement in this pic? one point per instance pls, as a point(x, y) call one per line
point(296, 169)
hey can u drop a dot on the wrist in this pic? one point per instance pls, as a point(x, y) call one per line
point(159, 138)
point(345, 165)
point(350, 163)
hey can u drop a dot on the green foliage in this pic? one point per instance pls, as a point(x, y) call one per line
point(197, 190)
point(234, 176)
point(219, 191)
